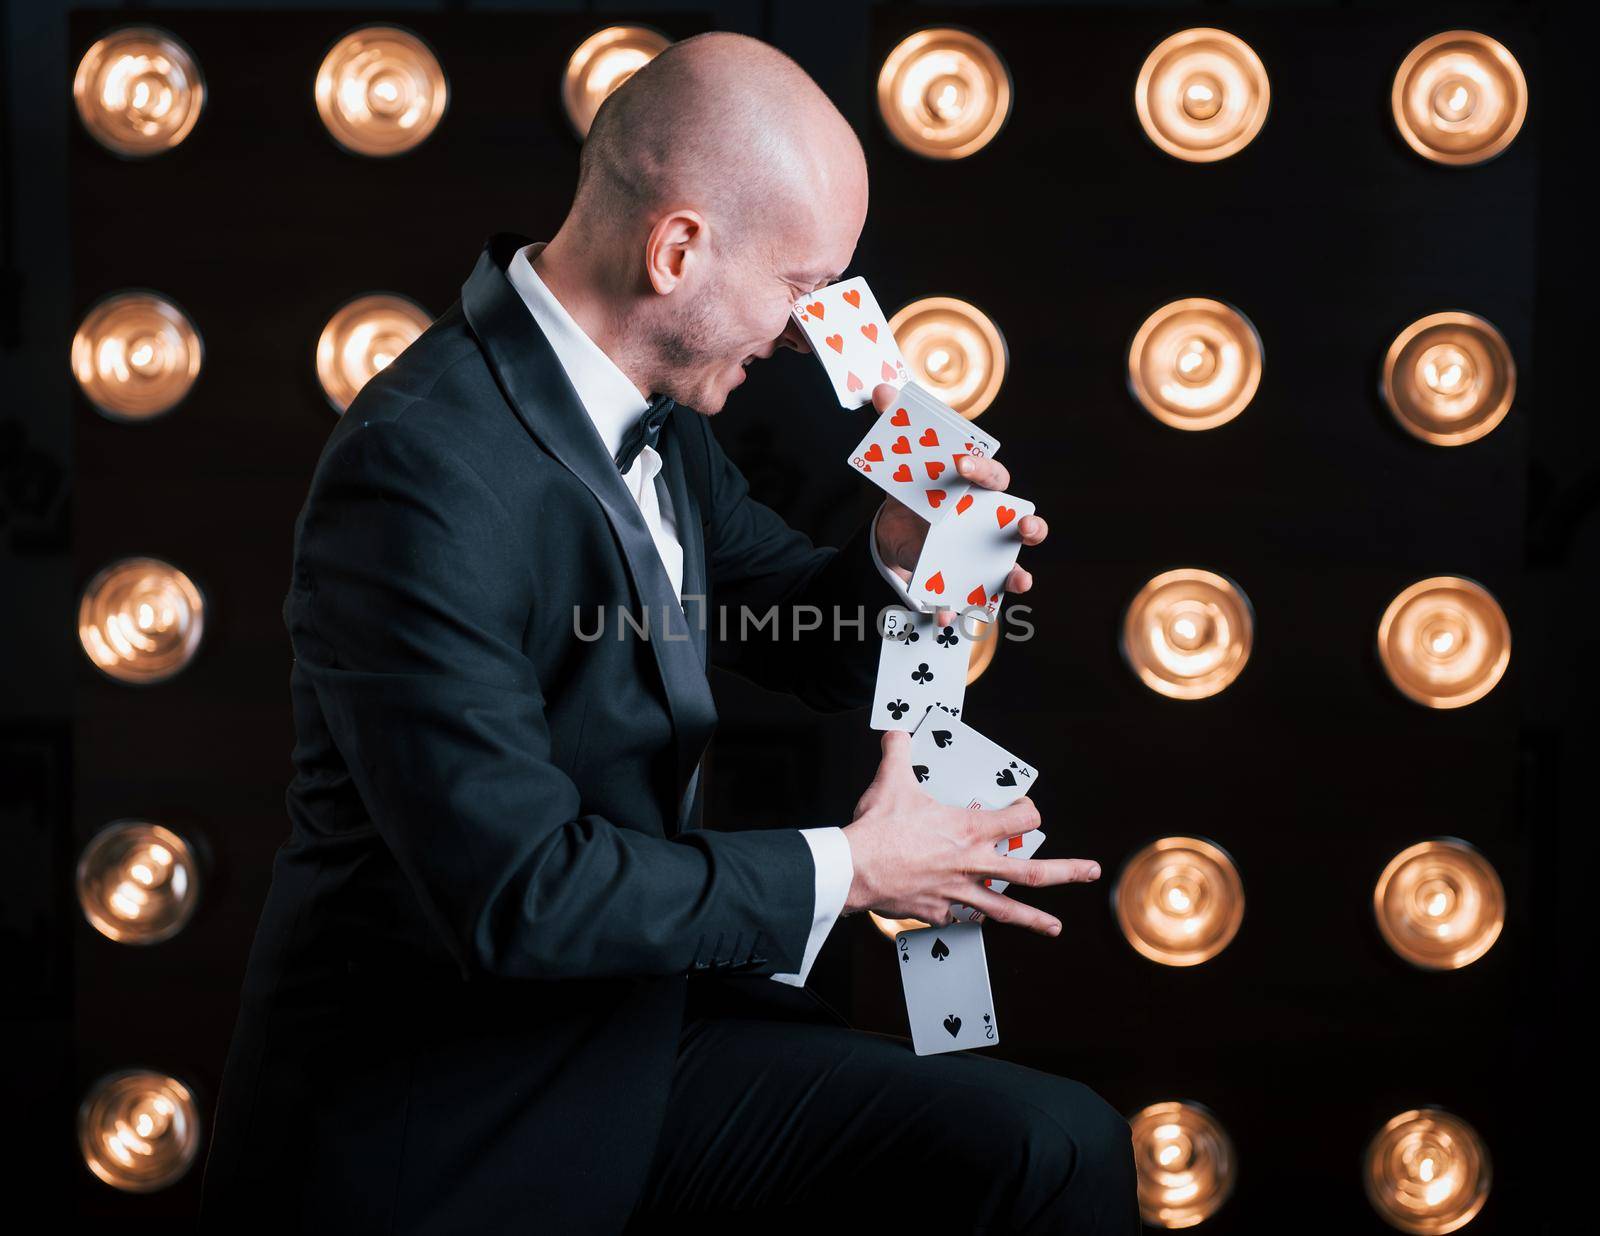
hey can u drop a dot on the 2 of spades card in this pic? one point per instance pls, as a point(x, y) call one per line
point(911, 453)
point(920, 664)
point(946, 981)
point(850, 336)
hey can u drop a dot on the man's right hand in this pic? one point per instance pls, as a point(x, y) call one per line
point(915, 858)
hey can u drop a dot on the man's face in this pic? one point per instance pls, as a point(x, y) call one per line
point(737, 312)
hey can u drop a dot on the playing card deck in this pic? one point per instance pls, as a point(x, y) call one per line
point(913, 450)
point(912, 453)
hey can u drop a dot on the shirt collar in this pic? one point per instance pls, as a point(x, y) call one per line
point(608, 395)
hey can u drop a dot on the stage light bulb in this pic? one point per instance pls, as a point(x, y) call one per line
point(944, 93)
point(1202, 95)
point(138, 91)
point(361, 339)
point(140, 620)
point(135, 355)
point(1444, 642)
point(601, 63)
point(1185, 1163)
point(1179, 900)
point(1449, 378)
point(891, 927)
point(138, 882)
point(1188, 633)
point(381, 91)
point(139, 1131)
point(1195, 363)
point(1440, 904)
point(954, 350)
point(1459, 98)
point(1427, 1172)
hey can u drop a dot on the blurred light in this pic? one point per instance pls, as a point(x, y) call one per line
point(1459, 98)
point(138, 91)
point(891, 927)
point(1195, 364)
point(363, 337)
point(1185, 1162)
point(381, 91)
point(1444, 642)
point(1187, 634)
point(140, 620)
point(944, 93)
point(954, 350)
point(139, 1131)
point(136, 355)
point(984, 644)
point(1440, 904)
point(137, 882)
point(603, 61)
point(1179, 900)
point(1202, 95)
point(1449, 378)
point(1427, 1172)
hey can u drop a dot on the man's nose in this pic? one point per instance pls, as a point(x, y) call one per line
point(793, 337)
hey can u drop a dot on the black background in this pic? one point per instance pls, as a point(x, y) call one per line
point(1304, 1035)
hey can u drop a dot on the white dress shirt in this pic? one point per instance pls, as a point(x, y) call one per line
point(614, 403)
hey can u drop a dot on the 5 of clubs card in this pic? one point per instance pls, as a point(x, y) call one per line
point(920, 664)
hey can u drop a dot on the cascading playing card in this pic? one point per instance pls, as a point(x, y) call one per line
point(946, 981)
point(966, 558)
point(959, 767)
point(851, 337)
point(911, 454)
point(920, 664)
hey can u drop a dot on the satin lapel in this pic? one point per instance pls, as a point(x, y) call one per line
point(538, 390)
point(691, 535)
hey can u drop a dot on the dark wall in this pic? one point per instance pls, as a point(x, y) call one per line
point(1306, 1034)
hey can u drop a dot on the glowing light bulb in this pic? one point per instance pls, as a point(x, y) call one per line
point(944, 93)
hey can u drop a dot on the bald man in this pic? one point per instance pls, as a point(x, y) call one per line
point(504, 980)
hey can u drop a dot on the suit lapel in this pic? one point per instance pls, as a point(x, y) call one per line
point(544, 400)
point(686, 514)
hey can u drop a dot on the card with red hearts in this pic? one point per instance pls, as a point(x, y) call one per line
point(911, 453)
point(966, 558)
point(850, 336)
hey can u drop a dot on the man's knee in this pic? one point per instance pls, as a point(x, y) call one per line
point(1076, 1159)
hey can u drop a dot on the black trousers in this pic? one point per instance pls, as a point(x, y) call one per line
point(800, 1125)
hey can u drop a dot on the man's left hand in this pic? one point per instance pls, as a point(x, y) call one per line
point(901, 531)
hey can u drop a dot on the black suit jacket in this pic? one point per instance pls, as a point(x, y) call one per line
point(462, 1005)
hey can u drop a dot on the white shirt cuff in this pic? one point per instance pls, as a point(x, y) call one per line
point(830, 853)
point(889, 577)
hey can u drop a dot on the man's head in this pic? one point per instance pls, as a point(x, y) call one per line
point(717, 186)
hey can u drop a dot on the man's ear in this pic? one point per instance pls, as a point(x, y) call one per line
point(678, 239)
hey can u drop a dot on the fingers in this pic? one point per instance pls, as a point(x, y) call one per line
point(1020, 580)
point(989, 473)
point(1020, 817)
point(883, 395)
point(946, 617)
point(1006, 910)
point(1033, 529)
point(1038, 872)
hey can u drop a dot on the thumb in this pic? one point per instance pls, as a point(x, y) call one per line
point(883, 395)
point(896, 762)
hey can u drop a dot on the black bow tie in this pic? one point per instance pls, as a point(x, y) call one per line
point(645, 431)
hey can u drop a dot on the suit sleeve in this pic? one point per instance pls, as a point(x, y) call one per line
point(406, 609)
point(770, 584)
